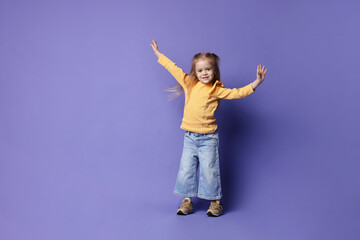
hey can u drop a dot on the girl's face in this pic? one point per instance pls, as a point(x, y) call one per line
point(204, 71)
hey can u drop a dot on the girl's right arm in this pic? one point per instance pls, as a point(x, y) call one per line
point(177, 72)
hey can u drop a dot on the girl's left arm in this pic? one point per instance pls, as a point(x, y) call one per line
point(235, 93)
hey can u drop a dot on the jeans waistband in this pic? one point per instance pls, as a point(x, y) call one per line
point(199, 134)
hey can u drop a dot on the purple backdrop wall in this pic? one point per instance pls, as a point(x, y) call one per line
point(90, 146)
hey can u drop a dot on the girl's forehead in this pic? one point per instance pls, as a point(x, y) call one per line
point(203, 63)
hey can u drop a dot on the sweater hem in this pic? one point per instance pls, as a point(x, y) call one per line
point(201, 131)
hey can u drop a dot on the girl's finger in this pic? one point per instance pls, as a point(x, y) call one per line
point(263, 68)
point(265, 71)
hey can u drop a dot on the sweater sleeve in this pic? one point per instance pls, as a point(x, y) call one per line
point(235, 93)
point(177, 72)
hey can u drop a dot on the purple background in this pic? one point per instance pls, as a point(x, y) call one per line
point(90, 146)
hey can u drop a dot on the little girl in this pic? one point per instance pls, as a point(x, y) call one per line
point(203, 90)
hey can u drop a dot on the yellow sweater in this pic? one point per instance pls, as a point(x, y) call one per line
point(201, 104)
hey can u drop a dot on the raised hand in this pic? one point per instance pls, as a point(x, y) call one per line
point(260, 76)
point(155, 48)
point(260, 73)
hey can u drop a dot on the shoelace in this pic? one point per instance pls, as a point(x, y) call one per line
point(214, 205)
point(186, 204)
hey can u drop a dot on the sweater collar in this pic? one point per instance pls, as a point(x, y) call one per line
point(216, 83)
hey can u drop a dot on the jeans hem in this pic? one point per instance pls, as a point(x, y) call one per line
point(210, 198)
point(185, 195)
point(199, 196)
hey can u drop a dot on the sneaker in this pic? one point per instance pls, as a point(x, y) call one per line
point(185, 208)
point(215, 209)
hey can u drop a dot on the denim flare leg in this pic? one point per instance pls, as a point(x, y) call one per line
point(200, 149)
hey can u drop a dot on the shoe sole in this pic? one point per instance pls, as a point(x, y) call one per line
point(182, 213)
point(210, 214)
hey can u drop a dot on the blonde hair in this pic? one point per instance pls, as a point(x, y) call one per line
point(214, 60)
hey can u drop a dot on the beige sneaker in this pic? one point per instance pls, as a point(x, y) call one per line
point(185, 208)
point(215, 209)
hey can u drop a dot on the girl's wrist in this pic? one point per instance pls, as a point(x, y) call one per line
point(254, 85)
point(257, 82)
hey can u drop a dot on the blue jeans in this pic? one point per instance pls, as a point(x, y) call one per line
point(200, 149)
